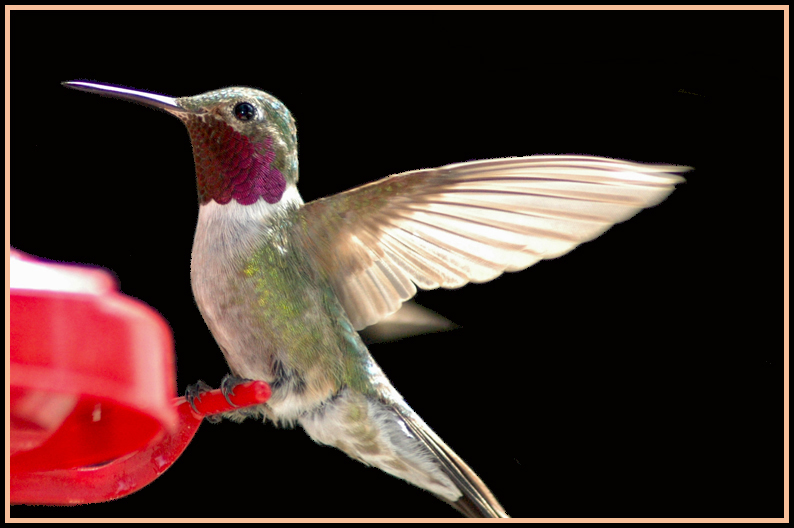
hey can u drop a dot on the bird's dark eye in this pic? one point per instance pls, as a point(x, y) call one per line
point(244, 111)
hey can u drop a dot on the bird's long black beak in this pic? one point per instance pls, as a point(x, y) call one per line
point(163, 102)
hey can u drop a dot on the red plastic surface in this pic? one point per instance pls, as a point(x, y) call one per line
point(133, 471)
point(93, 415)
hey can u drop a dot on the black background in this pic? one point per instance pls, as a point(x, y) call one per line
point(636, 376)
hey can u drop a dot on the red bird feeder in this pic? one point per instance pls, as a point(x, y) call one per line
point(93, 412)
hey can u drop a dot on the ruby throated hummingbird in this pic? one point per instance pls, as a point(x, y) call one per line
point(285, 286)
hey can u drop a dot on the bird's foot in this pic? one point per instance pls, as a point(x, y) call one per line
point(228, 383)
point(193, 393)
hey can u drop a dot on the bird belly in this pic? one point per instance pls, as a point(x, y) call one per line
point(272, 316)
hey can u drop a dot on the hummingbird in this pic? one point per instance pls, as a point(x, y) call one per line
point(284, 286)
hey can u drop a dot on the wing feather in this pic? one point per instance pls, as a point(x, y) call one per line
point(470, 222)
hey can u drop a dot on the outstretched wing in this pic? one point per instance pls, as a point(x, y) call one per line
point(470, 222)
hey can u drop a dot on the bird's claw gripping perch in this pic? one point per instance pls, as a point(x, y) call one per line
point(228, 383)
point(193, 393)
point(210, 403)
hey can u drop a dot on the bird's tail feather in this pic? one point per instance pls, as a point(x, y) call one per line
point(477, 499)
